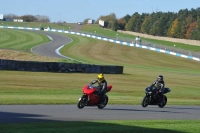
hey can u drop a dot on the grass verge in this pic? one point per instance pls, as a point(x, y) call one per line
point(129, 126)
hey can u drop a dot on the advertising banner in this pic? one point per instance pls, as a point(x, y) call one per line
point(1, 16)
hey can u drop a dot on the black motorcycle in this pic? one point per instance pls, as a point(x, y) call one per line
point(153, 97)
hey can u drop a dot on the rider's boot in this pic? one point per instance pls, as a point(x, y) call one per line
point(160, 98)
point(101, 98)
point(88, 100)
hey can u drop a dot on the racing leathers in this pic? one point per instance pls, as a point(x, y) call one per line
point(101, 85)
point(159, 86)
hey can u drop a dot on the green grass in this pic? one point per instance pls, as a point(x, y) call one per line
point(141, 67)
point(178, 45)
point(95, 29)
point(20, 39)
point(112, 34)
point(128, 126)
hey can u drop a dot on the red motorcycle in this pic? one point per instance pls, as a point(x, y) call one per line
point(91, 97)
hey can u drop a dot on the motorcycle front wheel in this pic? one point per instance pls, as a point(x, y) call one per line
point(102, 104)
point(145, 101)
point(81, 102)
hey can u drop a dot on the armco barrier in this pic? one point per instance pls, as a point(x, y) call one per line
point(110, 40)
point(58, 67)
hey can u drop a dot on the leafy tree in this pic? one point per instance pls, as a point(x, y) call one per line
point(145, 27)
point(190, 28)
point(113, 25)
point(126, 18)
point(10, 16)
point(162, 25)
point(109, 20)
point(129, 26)
point(154, 29)
point(172, 28)
point(134, 24)
point(42, 18)
point(195, 33)
point(28, 18)
point(184, 24)
point(86, 20)
point(182, 14)
point(123, 21)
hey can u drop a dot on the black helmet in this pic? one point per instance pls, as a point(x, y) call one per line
point(160, 78)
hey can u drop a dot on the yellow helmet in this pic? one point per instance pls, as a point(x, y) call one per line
point(100, 77)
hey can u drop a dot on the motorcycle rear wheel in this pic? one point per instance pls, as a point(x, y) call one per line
point(103, 103)
point(163, 102)
point(145, 101)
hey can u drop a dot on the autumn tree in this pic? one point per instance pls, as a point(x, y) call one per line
point(190, 28)
point(123, 21)
point(172, 28)
point(195, 33)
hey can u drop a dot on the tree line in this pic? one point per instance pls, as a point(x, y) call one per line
point(28, 18)
point(185, 24)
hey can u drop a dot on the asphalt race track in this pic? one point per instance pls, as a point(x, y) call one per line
point(38, 113)
point(42, 113)
point(49, 49)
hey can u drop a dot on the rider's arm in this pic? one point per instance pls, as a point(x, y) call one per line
point(161, 90)
point(152, 84)
point(93, 82)
point(162, 85)
point(104, 86)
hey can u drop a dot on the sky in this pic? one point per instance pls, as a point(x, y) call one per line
point(73, 11)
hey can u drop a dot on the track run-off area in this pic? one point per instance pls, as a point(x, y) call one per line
point(35, 113)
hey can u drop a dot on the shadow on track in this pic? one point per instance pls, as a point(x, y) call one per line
point(144, 110)
point(35, 123)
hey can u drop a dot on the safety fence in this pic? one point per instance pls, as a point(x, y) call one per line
point(58, 67)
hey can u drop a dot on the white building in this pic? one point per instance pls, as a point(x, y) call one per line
point(90, 21)
point(17, 20)
point(101, 23)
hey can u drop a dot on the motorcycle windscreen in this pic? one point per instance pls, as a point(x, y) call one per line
point(87, 90)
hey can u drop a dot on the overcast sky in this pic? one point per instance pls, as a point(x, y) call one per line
point(77, 10)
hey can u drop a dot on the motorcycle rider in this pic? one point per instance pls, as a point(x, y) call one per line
point(159, 84)
point(102, 85)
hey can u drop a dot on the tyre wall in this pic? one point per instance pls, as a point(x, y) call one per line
point(58, 67)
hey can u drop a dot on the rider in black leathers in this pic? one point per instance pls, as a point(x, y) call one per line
point(102, 84)
point(159, 84)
